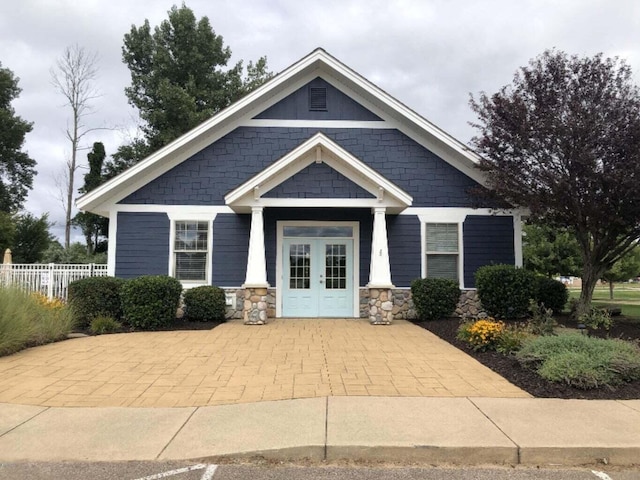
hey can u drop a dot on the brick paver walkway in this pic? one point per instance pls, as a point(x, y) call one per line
point(236, 363)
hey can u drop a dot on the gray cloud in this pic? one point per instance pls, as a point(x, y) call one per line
point(428, 54)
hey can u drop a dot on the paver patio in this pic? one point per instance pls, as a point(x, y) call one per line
point(234, 363)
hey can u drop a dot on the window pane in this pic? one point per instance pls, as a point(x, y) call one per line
point(192, 236)
point(191, 266)
point(299, 266)
point(319, 231)
point(335, 266)
point(442, 266)
point(442, 237)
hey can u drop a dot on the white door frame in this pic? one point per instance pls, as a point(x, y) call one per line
point(280, 224)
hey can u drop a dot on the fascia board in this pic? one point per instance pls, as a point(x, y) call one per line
point(108, 193)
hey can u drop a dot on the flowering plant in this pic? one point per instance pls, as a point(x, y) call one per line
point(483, 334)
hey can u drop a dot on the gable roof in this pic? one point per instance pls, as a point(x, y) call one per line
point(317, 64)
point(319, 148)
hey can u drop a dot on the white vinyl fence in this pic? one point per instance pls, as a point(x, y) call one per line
point(50, 279)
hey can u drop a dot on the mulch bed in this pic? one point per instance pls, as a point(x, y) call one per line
point(177, 324)
point(508, 367)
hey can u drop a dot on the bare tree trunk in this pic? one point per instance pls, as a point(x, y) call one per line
point(590, 278)
point(73, 77)
point(610, 290)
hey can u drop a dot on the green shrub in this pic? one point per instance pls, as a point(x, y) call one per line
point(596, 317)
point(103, 324)
point(150, 302)
point(95, 296)
point(541, 321)
point(205, 303)
point(434, 298)
point(552, 293)
point(28, 320)
point(512, 338)
point(581, 361)
point(505, 290)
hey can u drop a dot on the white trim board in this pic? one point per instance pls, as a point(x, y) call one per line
point(280, 224)
point(317, 64)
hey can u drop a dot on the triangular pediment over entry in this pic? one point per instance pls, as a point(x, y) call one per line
point(374, 189)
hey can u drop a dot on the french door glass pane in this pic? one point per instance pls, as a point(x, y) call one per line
point(300, 266)
point(335, 266)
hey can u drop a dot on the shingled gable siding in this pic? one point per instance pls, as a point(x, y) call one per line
point(318, 180)
point(205, 178)
point(142, 244)
point(339, 106)
point(230, 247)
point(361, 215)
point(487, 240)
point(403, 233)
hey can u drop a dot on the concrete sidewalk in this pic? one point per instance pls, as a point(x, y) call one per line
point(397, 429)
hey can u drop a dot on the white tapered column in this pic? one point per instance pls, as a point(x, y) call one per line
point(256, 262)
point(380, 271)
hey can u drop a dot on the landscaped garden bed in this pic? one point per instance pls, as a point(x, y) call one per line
point(508, 367)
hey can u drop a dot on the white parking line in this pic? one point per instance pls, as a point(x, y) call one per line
point(207, 475)
point(601, 475)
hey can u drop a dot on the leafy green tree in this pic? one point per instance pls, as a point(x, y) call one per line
point(31, 238)
point(94, 227)
point(76, 253)
point(624, 269)
point(564, 141)
point(7, 232)
point(550, 251)
point(179, 76)
point(16, 167)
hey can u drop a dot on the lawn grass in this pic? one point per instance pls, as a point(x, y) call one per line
point(626, 296)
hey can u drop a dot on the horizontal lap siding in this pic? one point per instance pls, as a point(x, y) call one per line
point(142, 244)
point(488, 240)
point(403, 232)
point(230, 249)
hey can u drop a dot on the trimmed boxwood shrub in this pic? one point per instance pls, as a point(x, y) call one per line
point(205, 303)
point(552, 293)
point(95, 296)
point(434, 298)
point(505, 290)
point(150, 302)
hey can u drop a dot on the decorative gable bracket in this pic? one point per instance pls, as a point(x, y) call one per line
point(319, 149)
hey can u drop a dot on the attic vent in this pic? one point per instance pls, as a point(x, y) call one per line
point(318, 99)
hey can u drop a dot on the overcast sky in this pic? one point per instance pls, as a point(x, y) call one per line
point(429, 54)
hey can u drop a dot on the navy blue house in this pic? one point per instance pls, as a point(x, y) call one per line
point(317, 195)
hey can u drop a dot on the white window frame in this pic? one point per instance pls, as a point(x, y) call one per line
point(426, 253)
point(197, 217)
point(443, 216)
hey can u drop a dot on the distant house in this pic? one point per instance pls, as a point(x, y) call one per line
point(317, 195)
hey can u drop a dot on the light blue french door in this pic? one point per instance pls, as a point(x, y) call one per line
point(318, 277)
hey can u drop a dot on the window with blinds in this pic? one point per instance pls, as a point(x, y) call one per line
point(191, 250)
point(442, 250)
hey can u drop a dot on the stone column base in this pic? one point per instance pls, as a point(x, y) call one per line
point(255, 306)
point(380, 306)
